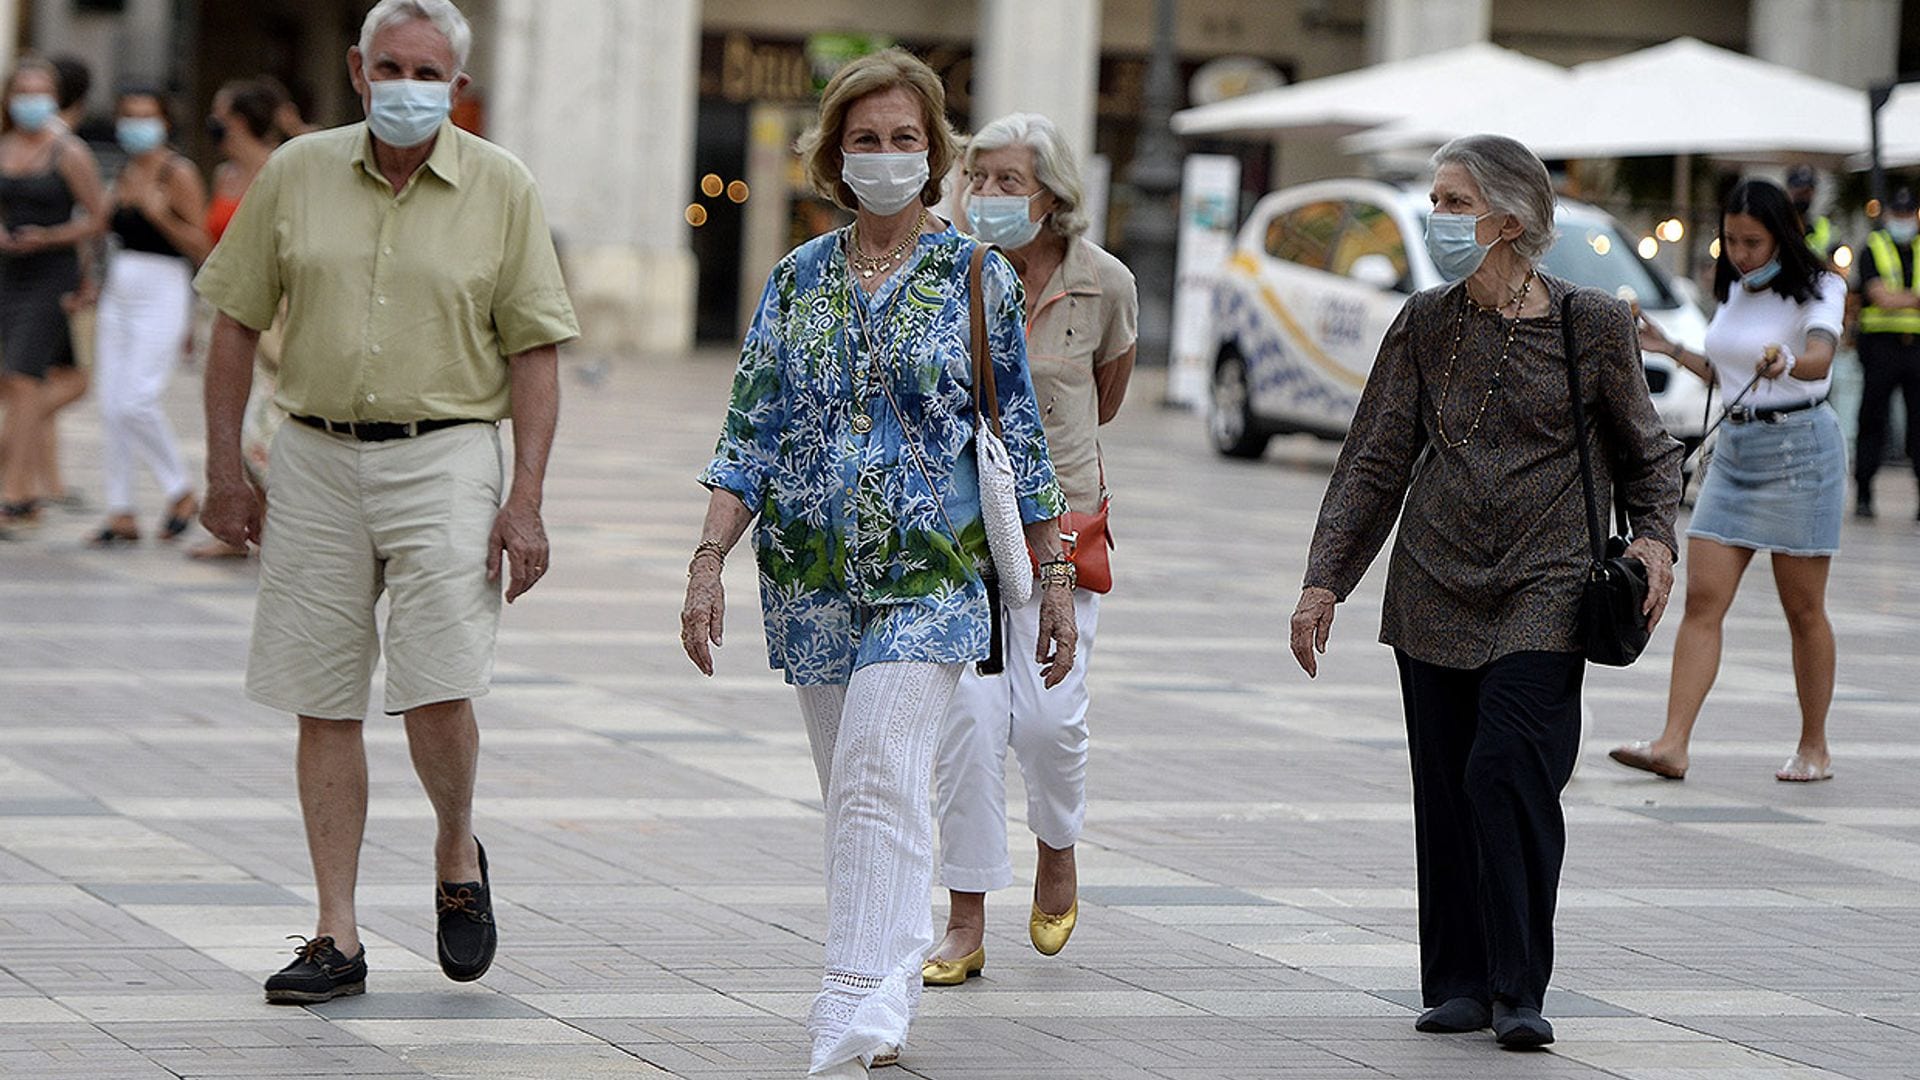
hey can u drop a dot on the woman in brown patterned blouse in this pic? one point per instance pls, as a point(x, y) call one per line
point(1466, 420)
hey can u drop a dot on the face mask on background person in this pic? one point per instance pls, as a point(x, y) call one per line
point(1003, 220)
point(31, 112)
point(139, 134)
point(407, 112)
point(1902, 229)
point(1452, 241)
point(216, 130)
point(885, 184)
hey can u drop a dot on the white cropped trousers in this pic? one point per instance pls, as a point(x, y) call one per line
point(1047, 731)
point(873, 743)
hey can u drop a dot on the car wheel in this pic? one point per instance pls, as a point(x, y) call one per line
point(1236, 432)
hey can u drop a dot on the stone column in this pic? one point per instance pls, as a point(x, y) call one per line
point(9, 28)
point(1040, 56)
point(1855, 42)
point(1398, 29)
point(598, 98)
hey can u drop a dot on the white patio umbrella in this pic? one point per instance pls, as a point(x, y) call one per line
point(1381, 94)
point(1684, 97)
point(1899, 130)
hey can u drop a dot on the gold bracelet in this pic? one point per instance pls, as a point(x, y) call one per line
point(1059, 572)
point(708, 548)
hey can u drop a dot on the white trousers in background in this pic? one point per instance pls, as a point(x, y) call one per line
point(1047, 730)
point(873, 745)
point(144, 309)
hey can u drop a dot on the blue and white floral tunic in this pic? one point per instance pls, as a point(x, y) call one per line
point(857, 553)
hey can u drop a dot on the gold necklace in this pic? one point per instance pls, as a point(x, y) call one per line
point(1446, 380)
point(869, 265)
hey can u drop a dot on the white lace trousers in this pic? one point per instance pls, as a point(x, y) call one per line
point(873, 743)
point(1047, 730)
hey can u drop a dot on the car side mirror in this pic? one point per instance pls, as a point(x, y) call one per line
point(1376, 270)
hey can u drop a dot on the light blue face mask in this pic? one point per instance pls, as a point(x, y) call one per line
point(139, 134)
point(1003, 220)
point(1452, 241)
point(31, 112)
point(1759, 277)
point(1903, 230)
point(407, 112)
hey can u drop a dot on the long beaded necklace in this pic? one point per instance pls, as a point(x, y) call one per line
point(869, 265)
point(1519, 301)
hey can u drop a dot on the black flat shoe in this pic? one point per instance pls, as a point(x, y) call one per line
point(1455, 1016)
point(1519, 1027)
point(319, 972)
point(108, 537)
point(467, 936)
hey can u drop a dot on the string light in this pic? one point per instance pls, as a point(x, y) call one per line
point(1713, 249)
point(1649, 247)
point(1671, 230)
point(1843, 256)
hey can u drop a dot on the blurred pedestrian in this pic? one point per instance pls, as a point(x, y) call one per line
point(850, 434)
point(1024, 195)
point(46, 173)
point(66, 383)
point(289, 111)
point(158, 225)
point(1486, 576)
point(1778, 478)
point(1803, 184)
point(244, 129)
point(1889, 343)
point(425, 305)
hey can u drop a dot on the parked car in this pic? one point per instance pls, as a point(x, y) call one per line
point(1320, 271)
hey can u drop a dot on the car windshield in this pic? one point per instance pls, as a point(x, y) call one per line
point(1592, 252)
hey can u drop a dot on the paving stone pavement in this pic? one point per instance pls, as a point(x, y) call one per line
point(1248, 871)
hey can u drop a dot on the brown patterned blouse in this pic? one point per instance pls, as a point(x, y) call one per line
point(1493, 543)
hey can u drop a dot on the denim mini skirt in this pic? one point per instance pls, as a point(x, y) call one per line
point(1776, 486)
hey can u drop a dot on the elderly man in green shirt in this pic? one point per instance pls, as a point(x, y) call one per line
point(424, 305)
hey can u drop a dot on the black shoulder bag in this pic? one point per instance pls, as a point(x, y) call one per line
point(1613, 630)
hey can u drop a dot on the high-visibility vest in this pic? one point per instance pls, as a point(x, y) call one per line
point(1820, 237)
point(1879, 320)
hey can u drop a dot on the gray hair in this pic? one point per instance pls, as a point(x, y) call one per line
point(1513, 180)
point(1053, 164)
point(444, 16)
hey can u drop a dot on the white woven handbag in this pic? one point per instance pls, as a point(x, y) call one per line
point(999, 499)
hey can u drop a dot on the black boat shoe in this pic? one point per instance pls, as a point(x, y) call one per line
point(467, 934)
point(319, 972)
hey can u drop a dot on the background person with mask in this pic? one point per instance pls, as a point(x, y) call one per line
point(46, 173)
point(850, 435)
point(146, 307)
point(1024, 195)
point(1802, 185)
point(1889, 344)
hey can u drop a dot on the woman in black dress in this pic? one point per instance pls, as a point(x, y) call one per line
point(45, 173)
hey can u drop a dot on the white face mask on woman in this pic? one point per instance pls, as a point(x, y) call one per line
point(885, 184)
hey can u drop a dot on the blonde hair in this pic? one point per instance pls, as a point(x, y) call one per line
point(874, 74)
point(1053, 164)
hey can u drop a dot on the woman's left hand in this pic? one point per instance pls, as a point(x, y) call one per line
point(1058, 634)
point(1659, 563)
point(1775, 363)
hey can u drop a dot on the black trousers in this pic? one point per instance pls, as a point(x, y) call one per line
point(1890, 362)
point(1491, 748)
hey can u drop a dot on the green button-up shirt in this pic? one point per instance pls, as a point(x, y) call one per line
point(399, 306)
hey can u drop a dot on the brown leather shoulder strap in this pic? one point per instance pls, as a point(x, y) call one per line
point(983, 384)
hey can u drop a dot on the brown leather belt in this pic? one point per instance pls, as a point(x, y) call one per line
point(382, 430)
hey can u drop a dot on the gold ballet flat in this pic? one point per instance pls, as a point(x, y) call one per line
point(954, 972)
point(1050, 932)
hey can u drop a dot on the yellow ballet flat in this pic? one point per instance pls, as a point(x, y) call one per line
point(954, 972)
point(1050, 932)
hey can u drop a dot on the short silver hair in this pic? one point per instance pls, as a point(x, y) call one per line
point(1053, 164)
point(444, 16)
point(1513, 180)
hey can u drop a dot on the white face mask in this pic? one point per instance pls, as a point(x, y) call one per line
point(1003, 220)
point(885, 184)
point(407, 112)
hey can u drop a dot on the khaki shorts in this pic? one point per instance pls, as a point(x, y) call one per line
point(348, 520)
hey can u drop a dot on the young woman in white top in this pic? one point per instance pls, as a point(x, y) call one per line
point(1779, 473)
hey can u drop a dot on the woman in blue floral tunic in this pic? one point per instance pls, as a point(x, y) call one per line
point(850, 437)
